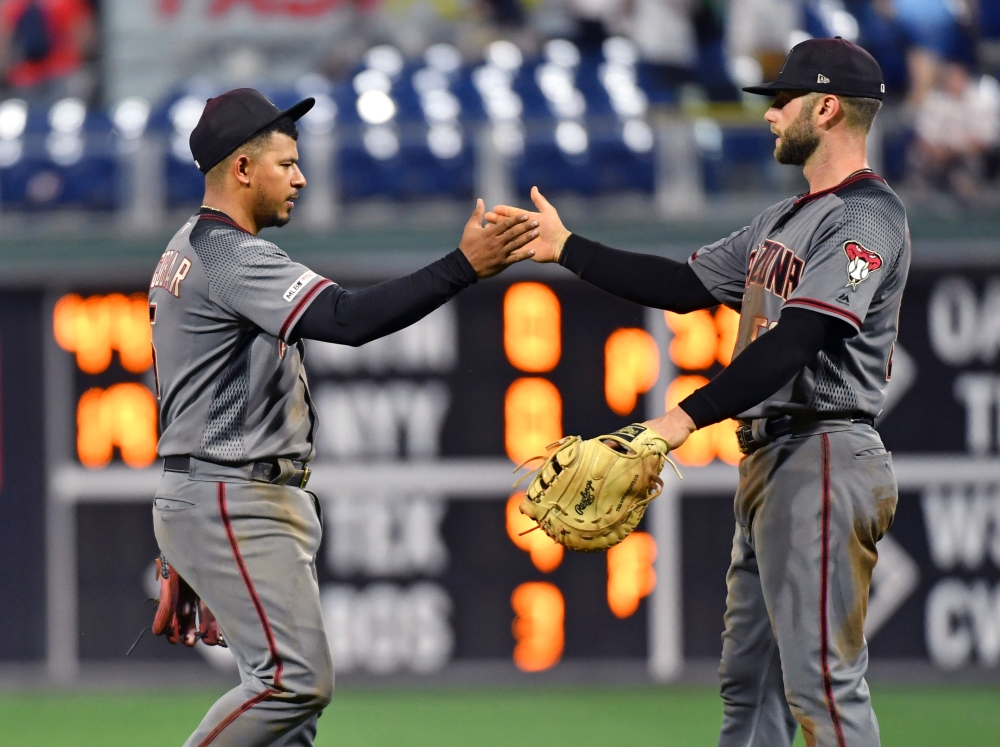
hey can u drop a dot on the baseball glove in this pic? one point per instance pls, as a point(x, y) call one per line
point(180, 614)
point(590, 495)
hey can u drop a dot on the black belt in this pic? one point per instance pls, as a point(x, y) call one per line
point(754, 434)
point(276, 471)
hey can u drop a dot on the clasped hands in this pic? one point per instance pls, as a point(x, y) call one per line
point(549, 237)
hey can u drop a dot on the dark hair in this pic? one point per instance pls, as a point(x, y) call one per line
point(285, 126)
point(255, 145)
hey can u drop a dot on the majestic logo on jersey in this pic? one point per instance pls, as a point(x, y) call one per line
point(860, 263)
point(776, 268)
point(165, 277)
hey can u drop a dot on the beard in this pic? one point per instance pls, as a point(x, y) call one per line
point(278, 221)
point(267, 214)
point(799, 141)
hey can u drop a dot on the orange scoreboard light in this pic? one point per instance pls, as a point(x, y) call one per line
point(583, 371)
point(703, 342)
point(115, 408)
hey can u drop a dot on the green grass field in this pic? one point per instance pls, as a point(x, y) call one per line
point(671, 717)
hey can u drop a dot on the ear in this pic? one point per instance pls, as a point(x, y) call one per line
point(829, 111)
point(242, 169)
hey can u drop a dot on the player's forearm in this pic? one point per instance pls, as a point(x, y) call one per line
point(767, 364)
point(355, 318)
point(645, 279)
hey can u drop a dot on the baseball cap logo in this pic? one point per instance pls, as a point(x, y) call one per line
point(822, 78)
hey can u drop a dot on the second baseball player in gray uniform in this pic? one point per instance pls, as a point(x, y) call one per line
point(229, 311)
point(818, 280)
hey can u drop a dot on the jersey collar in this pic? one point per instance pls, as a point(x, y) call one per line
point(849, 181)
point(210, 213)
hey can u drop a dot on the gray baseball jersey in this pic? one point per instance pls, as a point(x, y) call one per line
point(223, 304)
point(843, 252)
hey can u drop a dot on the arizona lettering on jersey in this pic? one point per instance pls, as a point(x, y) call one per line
point(775, 267)
point(843, 252)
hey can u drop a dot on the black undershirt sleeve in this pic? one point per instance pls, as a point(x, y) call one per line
point(645, 279)
point(767, 364)
point(354, 318)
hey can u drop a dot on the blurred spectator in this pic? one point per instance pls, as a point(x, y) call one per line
point(44, 45)
point(664, 32)
point(595, 20)
point(988, 22)
point(935, 32)
point(957, 132)
point(761, 30)
point(502, 12)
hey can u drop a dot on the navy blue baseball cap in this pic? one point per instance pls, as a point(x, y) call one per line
point(231, 119)
point(834, 66)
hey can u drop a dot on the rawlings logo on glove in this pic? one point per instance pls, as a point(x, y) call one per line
point(590, 495)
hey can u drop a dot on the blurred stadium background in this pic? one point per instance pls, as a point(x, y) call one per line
point(446, 625)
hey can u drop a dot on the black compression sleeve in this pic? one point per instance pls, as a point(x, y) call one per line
point(767, 364)
point(347, 318)
point(646, 279)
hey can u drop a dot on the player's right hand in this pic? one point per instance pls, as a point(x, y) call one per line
point(493, 247)
point(552, 234)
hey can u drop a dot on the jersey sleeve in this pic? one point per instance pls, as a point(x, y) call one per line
point(854, 253)
point(722, 266)
point(257, 281)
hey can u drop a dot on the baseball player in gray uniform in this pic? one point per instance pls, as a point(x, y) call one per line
point(818, 281)
point(229, 311)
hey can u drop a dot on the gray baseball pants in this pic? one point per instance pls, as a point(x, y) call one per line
point(809, 509)
point(248, 549)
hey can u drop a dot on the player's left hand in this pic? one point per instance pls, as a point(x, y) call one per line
point(493, 247)
point(675, 426)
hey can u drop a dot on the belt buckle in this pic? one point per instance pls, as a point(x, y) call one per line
point(745, 439)
point(306, 474)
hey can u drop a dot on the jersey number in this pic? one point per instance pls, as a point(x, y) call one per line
point(156, 370)
point(760, 326)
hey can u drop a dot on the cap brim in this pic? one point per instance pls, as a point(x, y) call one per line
point(295, 112)
point(299, 110)
point(772, 88)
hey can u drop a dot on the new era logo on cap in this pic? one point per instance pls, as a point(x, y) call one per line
point(822, 78)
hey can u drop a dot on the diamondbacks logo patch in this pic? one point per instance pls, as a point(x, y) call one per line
point(861, 263)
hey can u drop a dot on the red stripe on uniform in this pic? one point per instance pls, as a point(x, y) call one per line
point(850, 180)
point(233, 716)
point(823, 306)
point(323, 283)
point(824, 633)
point(207, 216)
point(261, 615)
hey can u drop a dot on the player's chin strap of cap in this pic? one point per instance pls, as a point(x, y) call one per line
point(273, 471)
point(759, 432)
